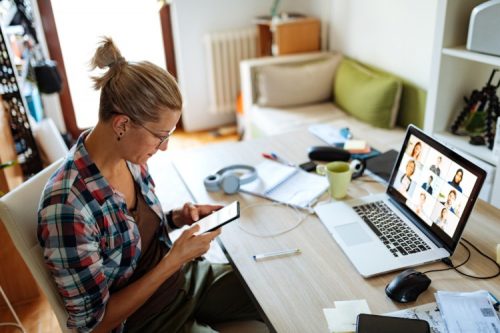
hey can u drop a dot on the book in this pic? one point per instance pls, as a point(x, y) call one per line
point(286, 184)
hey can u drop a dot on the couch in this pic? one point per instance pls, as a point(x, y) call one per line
point(268, 109)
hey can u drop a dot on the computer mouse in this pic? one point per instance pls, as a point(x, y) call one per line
point(328, 154)
point(407, 285)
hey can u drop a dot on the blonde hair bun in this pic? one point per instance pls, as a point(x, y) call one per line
point(140, 90)
point(106, 55)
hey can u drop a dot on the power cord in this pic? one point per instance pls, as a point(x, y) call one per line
point(448, 262)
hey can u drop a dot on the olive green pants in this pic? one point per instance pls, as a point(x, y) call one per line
point(211, 294)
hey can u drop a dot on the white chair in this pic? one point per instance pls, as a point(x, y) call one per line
point(18, 211)
point(49, 141)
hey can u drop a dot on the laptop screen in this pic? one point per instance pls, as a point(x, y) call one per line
point(436, 186)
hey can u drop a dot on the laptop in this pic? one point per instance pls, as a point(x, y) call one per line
point(421, 216)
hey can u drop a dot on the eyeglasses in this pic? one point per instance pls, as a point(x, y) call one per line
point(162, 138)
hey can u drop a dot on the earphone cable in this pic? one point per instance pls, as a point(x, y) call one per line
point(300, 218)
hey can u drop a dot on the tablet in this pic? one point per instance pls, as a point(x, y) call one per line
point(383, 164)
point(219, 218)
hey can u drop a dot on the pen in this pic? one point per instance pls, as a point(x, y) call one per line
point(268, 156)
point(281, 160)
point(275, 254)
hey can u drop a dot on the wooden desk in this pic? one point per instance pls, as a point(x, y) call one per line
point(292, 291)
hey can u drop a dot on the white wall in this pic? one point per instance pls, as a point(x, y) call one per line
point(395, 35)
point(192, 19)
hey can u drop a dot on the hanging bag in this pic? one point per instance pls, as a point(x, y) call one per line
point(47, 77)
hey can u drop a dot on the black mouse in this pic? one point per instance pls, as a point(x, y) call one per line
point(328, 154)
point(407, 285)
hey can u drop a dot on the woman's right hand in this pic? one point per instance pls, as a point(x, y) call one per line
point(190, 246)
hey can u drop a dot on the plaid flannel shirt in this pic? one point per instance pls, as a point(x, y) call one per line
point(90, 242)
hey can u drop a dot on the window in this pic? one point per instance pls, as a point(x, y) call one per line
point(133, 25)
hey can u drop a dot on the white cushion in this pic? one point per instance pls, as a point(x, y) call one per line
point(292, 85)
point(271, 121)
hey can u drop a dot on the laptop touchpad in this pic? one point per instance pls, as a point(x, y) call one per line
point(353, 234)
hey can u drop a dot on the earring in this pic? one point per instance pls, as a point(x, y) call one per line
point(119, 136)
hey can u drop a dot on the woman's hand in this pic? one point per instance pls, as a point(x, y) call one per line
point(190, 213)
point(190, 246)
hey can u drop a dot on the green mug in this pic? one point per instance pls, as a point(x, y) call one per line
point(339, 176)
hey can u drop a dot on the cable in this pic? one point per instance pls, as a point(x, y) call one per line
point(484, 255)
point(300, 219)
point(447, 261)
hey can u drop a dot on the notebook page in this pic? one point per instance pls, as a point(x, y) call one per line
point(286, 184)
point(300, 190)
point(270, 174)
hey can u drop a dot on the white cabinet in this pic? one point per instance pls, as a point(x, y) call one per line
point(455, 73)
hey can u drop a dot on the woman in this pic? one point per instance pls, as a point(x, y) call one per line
point(420, 206)
point(457, 179)
point(417, 148)
point(405, 180)
point(103, 231)
point(442, 218)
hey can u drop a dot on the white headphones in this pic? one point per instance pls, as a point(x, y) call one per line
point(228, 180)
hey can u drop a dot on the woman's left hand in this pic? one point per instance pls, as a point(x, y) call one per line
point(190, 213)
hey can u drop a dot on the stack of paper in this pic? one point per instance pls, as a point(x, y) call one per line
point(357, 146)
point(428, 312)
point(345, 314)
point(468, 312)
point(328, 133)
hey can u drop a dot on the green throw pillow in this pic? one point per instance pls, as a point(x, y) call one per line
point(369, 96)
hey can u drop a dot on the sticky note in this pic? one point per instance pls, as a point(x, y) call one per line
point(343, 317)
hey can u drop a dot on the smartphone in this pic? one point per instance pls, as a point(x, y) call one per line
point(368, 323)
point(308, 166)
point(219, 218)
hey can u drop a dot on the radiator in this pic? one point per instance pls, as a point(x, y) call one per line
point(224, 51)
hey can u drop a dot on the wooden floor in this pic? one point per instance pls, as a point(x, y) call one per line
point(182, 140)
point(37, 316)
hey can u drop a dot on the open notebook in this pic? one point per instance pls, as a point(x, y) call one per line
point(286, 184)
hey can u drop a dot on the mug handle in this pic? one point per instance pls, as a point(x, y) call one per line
point(321, 169)
point(357, 168)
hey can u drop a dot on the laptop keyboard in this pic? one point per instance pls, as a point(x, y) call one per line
point(398, 237)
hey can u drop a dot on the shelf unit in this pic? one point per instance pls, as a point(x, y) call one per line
point(15, 106)
point(455, 73)
point(16, 143)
